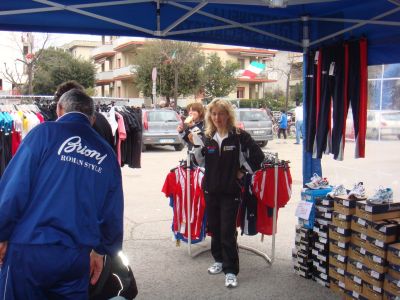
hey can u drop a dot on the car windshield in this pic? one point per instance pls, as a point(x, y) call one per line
point(253, 116)
point(161, 116)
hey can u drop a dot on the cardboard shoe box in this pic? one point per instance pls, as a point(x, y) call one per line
point(338, 287)
point(392, 286)
point(359, 239)
point(394, 271)
point(353, 283)
point(338, 260)
point(341, 220)
point(344, 205)
point(360, 225)
point(373, 277)
point(357, 253)
point(377, 212)
point(372, 292)
point(375, 263)
point(376, 247)
point(339, 234)
point(355, 267)
point(393, 254)
point(339, 247)
point(385, 230)
point(337, 273)
point(324, 202)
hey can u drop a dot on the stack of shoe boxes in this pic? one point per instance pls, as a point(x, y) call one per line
point(382, 230)
point(301, 253)
point(340, 238)
point(320, 251)
point(312, 241)
point(391, 285)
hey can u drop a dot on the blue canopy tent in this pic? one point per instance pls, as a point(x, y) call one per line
point(292, 25)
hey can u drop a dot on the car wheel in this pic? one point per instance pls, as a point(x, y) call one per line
point(263, 144)
point(178, 147)
point(144, 148)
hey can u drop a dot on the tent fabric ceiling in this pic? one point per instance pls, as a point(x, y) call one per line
point(248, 23)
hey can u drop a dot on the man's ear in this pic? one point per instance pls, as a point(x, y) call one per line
point(60, 110)
point(92, 119)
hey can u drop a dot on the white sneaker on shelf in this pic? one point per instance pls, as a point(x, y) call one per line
point(338, 190)
point(317, 182)
point(382, 195)
point(314, 183)
point(215, 268)
point(231, 280)
point(358, 191)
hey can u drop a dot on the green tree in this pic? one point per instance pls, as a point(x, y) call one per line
point(178, 66)
point(56, 66)
point(218, 80)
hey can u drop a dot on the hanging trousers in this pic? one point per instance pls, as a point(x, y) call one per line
point(222, 210)
point(311, 90)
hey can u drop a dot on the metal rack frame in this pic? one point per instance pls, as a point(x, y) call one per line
point(269, 258)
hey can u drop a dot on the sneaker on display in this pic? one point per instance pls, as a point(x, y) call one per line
point(358, 192)
point(317, 182)
point(338, 190)
point(382, 195)
point(231, 280)
point(215, 268)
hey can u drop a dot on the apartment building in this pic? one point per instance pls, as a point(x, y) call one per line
point(81, 49)
point(114, 60)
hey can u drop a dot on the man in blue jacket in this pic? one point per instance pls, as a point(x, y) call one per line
point(61, 207)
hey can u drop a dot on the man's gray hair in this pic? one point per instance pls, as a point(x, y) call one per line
point(77, 100)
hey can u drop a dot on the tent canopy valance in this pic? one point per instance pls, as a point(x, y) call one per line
point(251, 23)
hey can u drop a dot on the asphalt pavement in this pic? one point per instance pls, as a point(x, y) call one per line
point(165, 271)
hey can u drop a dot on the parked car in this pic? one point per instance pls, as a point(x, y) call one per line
point(160, 128)
point(257, 123)
point(383, 124)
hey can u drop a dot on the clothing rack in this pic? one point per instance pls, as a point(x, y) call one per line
point(269, 258)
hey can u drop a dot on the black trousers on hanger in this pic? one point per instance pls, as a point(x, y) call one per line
point(222, 210)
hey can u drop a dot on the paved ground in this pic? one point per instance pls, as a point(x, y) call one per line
point(164, 271)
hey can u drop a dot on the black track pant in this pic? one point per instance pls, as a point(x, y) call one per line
point(311, 89)
point(222, 210)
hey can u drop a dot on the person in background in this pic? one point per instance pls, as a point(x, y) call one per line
point(228, 153)
point(61, 207)
point(282, 124)
point(298, 113)
point(101, 125)
point(194, 122)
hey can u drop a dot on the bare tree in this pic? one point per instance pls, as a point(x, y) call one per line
point(286, 69)
point(29, 56)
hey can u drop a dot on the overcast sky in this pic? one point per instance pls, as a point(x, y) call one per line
point(10, 43)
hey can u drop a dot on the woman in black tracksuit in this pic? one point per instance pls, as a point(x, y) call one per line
point(227, 154)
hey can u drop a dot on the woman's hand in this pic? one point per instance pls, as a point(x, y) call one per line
point(180, 128)
point(239, 174)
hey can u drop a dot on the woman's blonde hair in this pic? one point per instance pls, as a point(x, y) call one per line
point(223, 105)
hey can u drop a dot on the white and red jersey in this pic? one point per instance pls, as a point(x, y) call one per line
point(175, 185)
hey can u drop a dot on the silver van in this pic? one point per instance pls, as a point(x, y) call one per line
point(257, 123)
point(160, 128)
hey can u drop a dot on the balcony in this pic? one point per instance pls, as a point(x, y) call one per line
point(262, 77)
point(104, 77)
point(124, 72)
point(123, 44)
point(103, 51)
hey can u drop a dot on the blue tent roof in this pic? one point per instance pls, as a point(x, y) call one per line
point(250, 23)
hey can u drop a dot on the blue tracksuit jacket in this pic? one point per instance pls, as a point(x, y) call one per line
point(63, 187)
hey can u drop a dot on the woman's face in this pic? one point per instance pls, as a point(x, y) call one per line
point(194, 114)
point(219, 117)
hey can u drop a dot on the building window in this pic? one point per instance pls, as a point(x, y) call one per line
point(241, 63)
point(119, 92)
point(240, 92)
point(118, 63)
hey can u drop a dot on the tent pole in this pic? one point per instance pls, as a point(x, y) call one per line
point(310, 165)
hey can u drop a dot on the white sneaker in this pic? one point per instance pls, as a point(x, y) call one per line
point(231, 280)
point(215, 268)
point(382, 195)
point(358, 191)
point(338, 190)
point(317, 182)
point(314, 183)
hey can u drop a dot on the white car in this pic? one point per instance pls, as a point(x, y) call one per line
point(383, 124)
